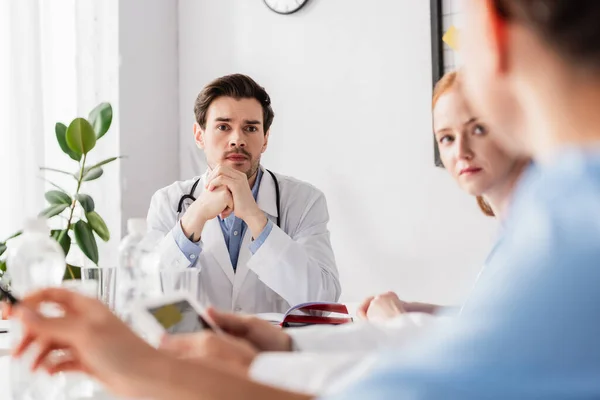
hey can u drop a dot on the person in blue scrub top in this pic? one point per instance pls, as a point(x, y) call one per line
point(531, 328)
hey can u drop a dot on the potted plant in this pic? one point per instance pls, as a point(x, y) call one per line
point(74, 211)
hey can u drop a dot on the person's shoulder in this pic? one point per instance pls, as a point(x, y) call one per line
point(560, 205)
point(176, 189)
point(570, 186)
point(549, 250)
point(296, 185)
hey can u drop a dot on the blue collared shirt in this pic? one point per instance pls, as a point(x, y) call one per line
point(233, 229)
point(532, 326)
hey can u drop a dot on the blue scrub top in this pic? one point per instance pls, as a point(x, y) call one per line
point(531, 329)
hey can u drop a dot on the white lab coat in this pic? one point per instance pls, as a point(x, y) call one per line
point(295, 264)
point(331, 357)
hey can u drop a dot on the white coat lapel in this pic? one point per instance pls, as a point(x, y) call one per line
point(213, 242)
point(242, 266)
point(266, 198)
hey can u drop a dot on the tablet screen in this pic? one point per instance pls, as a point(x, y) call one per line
point(179, 317)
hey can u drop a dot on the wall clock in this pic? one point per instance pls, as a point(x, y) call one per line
point(285, 7)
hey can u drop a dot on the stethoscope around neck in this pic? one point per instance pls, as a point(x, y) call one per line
point(190, 196)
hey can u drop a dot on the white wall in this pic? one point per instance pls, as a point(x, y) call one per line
point(149, 103)
point(350, 82)
point(97, 80)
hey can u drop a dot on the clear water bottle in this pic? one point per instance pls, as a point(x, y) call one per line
point(134, 251)
point(35, 261)
point(128, 275)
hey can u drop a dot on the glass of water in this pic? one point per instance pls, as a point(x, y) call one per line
point(180, 280)
point(105, 283)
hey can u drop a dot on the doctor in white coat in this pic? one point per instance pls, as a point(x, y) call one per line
point(259, 239)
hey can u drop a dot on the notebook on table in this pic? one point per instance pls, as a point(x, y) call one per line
point(313, 313)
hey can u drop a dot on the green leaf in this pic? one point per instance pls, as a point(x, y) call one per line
point(81, 137)
point(84, 236)
point(86, 202)
point(101, 163)
point(90, 175)
point(63, 238)
point(52, 183)
point(3, 265)
point(2, 248)
point(14, 235)
point(58, 197)
point(61, 136)
point(55, 170)
point(98, 225)
point(101, 118)
point(53, 210)
point(72, 272)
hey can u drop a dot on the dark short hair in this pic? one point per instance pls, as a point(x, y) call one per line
point(237, 86)
point(570, 27)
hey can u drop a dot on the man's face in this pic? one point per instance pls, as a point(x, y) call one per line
point(234, 134)
point(486, 75)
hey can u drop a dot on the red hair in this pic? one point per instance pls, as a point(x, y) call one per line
point(485, 207)
point(443, 86)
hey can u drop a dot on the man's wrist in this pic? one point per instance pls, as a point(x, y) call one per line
point(192, 228)
point(256, 223)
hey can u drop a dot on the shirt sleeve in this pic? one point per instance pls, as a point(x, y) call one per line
point(310, 373)
point(361, 335)
point(255, 244)
point(298, 264)
point(190, 249)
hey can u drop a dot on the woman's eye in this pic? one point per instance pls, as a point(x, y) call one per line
point(446, 139)
point(479, 129)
